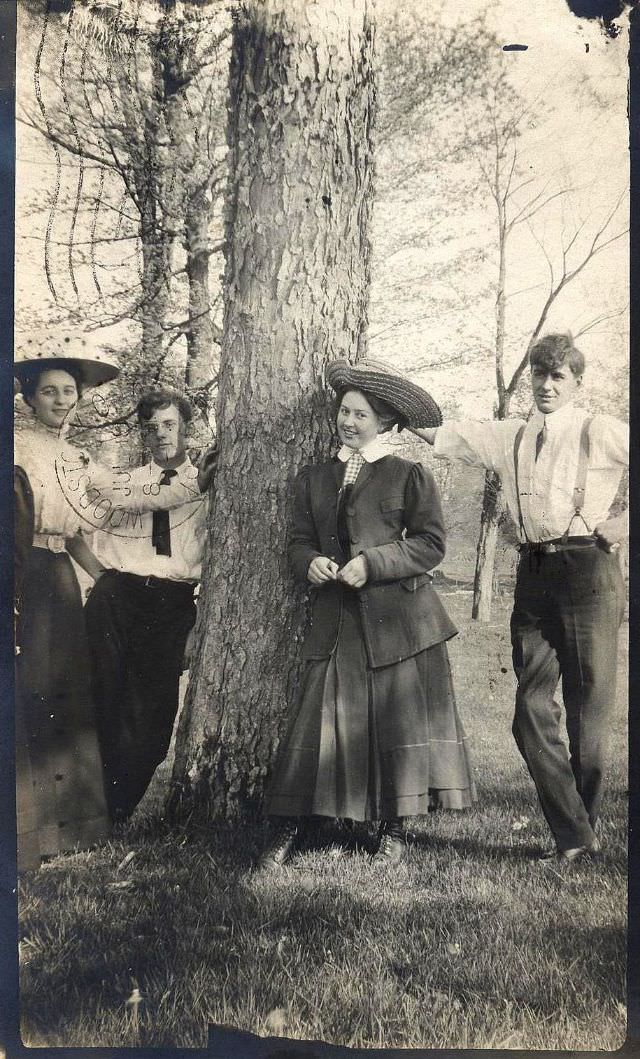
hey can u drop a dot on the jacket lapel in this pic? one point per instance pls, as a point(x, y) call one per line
point(337, 474)
point(362, 481)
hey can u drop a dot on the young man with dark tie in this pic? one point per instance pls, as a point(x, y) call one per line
point(141, 610)
point(560, 472)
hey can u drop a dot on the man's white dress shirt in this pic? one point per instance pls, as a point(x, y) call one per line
point(546, 484)
point(127, 546)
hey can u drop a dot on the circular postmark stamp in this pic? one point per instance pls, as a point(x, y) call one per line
point(124, 456)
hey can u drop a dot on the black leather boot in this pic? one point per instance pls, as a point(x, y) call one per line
point(392, 847)
point(279, 850)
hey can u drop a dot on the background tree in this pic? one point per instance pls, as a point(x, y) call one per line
point(433, 78)
point(132, 101)
point(522, 198)
point(296, 288)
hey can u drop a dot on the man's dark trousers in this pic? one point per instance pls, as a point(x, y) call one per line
point(138, 629)
point(567, 611)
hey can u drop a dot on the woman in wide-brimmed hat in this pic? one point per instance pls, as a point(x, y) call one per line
point(375, 734)
point(60, 794)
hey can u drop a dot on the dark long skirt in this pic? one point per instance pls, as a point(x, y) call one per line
point(60, 789)
point(372, 744)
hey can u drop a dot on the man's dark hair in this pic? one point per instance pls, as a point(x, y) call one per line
point(552, 351)
point(29, 381)
point(163, 397)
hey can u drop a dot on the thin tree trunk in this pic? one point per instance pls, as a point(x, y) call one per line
point(142, 118)
point(483, 581)
point(296, 288)
point(156, 267)
point(486, 548)
point(189, 197)
point(200, 339)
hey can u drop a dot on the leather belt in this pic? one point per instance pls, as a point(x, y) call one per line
point(53, 542)
point(162, 583)
point(559, 544)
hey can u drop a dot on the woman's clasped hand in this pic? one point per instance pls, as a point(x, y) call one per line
point(354, 573)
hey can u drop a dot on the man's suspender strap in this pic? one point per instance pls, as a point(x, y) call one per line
point(583, 462)
point(581, 475)
point(516, 451)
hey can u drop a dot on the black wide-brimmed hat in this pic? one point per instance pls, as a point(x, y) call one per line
point(47, 351)
point(415, 405)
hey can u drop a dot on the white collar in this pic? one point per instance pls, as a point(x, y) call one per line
point(371, 453)
point(180, 469)
point(45, 431)
point(556, 420)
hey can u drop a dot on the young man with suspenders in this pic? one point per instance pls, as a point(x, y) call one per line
point(560, 472)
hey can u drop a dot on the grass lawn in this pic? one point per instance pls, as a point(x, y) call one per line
point(470, 944)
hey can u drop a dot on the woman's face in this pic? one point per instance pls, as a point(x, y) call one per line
point(357, 422)
point(56, 394)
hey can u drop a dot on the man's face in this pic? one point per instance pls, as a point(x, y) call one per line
point(165, 435)
point(555, 388)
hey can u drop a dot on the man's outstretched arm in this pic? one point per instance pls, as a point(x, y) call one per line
point(427, 434)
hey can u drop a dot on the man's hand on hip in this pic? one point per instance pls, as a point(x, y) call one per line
point(613, 532)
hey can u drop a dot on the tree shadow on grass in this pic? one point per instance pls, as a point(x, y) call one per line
point(525, 852)
point(476, 847)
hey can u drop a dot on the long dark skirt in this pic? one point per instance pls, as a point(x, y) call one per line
point(60, 789)
point(372, 744)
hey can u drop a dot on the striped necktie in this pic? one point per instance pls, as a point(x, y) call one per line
point(352, 469)
point(160, 526)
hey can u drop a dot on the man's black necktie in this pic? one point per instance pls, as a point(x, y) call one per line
point(541, 439)
point(161, 530)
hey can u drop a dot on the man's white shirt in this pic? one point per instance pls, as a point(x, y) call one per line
point(128, 547)
point(546, 484)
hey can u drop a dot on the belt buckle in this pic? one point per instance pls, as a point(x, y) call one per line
point(55, 543)
point(551, 548)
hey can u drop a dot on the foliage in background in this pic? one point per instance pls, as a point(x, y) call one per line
point(133, 110)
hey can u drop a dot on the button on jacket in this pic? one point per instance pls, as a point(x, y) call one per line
point(394, 520)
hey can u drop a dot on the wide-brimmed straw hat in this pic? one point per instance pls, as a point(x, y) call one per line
point(46, 351)
point(415, 405)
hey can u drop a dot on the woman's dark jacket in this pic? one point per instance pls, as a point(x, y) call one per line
point(394, 519)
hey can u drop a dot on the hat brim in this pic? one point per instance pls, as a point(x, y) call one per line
point(94, 372)
point(415, 405)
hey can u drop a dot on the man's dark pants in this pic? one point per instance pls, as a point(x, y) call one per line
point(567, 611)
point(138, 629)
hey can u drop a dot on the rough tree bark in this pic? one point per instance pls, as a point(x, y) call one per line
point(296, 289)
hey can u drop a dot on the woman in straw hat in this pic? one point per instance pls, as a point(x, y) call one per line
point(376, 734)
point(60, 794)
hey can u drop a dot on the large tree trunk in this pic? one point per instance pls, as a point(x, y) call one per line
point(296, 289)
